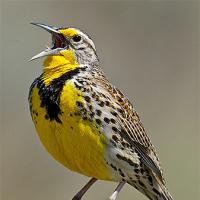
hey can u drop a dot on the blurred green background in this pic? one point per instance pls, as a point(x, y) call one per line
point(149, 49)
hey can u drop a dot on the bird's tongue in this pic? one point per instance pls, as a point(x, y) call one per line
point(58, 41)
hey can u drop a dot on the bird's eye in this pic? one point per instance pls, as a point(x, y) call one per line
point(77, 38)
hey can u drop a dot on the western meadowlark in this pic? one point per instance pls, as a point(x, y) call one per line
point(86, 123)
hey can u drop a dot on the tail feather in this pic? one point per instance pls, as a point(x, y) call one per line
point(163, 191)
point(165, 195)
point(158, 193)
point(162, 196)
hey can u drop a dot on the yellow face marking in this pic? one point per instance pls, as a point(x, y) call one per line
point(69, 32)
point(57, 65)
point(76, 143)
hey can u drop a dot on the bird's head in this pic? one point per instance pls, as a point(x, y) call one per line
point(69, 43)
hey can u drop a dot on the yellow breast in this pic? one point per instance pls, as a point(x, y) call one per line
point(76, 143)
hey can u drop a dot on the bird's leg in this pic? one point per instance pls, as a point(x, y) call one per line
point(117, 190)
point(79, 195)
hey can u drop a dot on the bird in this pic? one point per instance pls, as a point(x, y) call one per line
point(86, 123)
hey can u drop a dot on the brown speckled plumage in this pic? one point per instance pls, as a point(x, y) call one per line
point(87, 110)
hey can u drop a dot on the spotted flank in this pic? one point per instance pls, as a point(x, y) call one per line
point(86, 123)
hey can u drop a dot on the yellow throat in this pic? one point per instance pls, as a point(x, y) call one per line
point(57, 65)
point(71, 140)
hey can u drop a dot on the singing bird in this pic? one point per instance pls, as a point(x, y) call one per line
point(86, 123)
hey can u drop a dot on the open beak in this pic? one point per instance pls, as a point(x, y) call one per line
point(59, 42)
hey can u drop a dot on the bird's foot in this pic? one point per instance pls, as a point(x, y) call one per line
point(77, 197)
point(117, 190)
point(113, 196)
